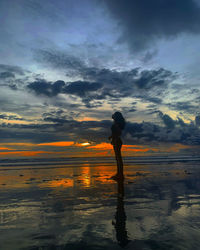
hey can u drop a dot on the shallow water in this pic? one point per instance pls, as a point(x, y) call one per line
point(79, 206)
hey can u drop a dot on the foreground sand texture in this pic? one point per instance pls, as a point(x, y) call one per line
point(79, 206)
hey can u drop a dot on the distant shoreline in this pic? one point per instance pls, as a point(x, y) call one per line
point(37, 163)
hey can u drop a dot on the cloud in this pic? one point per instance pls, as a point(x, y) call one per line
point(130, 83)
point(59, 116)
point(59, 60)
point(143, 79)
point(172, 132)
point(144, 22)
point(9, 70)
point(167, 120)
point(197, 120)
point(81, 88)
point(102, 84)
point(58, 126)
point(184, 106)
point(56, 130)
point(153, 78)
point(42, 87)
point(84, 89)
point(148, 85)
point(149, 55)
point(6, 74)
point(11, 117)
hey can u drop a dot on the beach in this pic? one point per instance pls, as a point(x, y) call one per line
point(75, 204)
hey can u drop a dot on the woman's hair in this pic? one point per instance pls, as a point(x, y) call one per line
point(119, 119)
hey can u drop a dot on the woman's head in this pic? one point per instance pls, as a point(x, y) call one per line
point(119, 119)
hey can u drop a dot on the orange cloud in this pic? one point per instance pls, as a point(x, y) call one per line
point(139, 149)
point(57, 144)
point(125, 148)
point(101, 146)
point(133, 146)
point(15, 121)
point(84, 149)
point(4, 148)
point(87, 119)
point(24, 153)
point(19, 144)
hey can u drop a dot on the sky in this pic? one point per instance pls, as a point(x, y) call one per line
point(67, 66)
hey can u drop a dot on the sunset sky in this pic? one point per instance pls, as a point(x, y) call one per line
point(66, 66)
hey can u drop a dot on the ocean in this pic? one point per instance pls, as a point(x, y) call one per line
point(73, 203)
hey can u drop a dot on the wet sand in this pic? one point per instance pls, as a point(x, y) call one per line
point(81, 207)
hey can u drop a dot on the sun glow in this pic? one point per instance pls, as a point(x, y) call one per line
point(85, 144)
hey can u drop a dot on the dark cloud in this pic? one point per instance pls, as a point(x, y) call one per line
point(149, 55)
point(112, 79)
point(101, 84)
point(58, 112)
point(172, 132)
point(197, 120)
point(84, 89)
point(58, 126)
point(185, 106)
point(167, 120)
point(59, 60)
point(13, 86)
point(113, 83)
point(132, 110)
point(15, 77)
point(181, 122)
point(59, 116)
point(57, 87)
point(143, 79)
point(10, 117)
point(55, 120)
point(128, 109)
point(6, 74)
point(29, 134)
point(11, 70)
point(132, 82)
point(153, 78)
point(56, 129)
point(145, 21)
point(81, 88)
point(148, 98)
point(42, 87)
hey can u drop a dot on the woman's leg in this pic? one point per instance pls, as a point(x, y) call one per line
point(120, 164)
point(117, 149)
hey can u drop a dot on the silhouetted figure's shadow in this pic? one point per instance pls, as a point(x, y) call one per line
point(120, 217)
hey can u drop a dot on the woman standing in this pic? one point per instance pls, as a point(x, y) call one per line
point(117, 127)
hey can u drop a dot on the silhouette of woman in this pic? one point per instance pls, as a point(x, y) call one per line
point(117, 127)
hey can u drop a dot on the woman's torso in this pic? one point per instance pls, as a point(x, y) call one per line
point(116, 133)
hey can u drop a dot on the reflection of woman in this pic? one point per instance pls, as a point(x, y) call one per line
point(117, 127)
point(120, 217)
